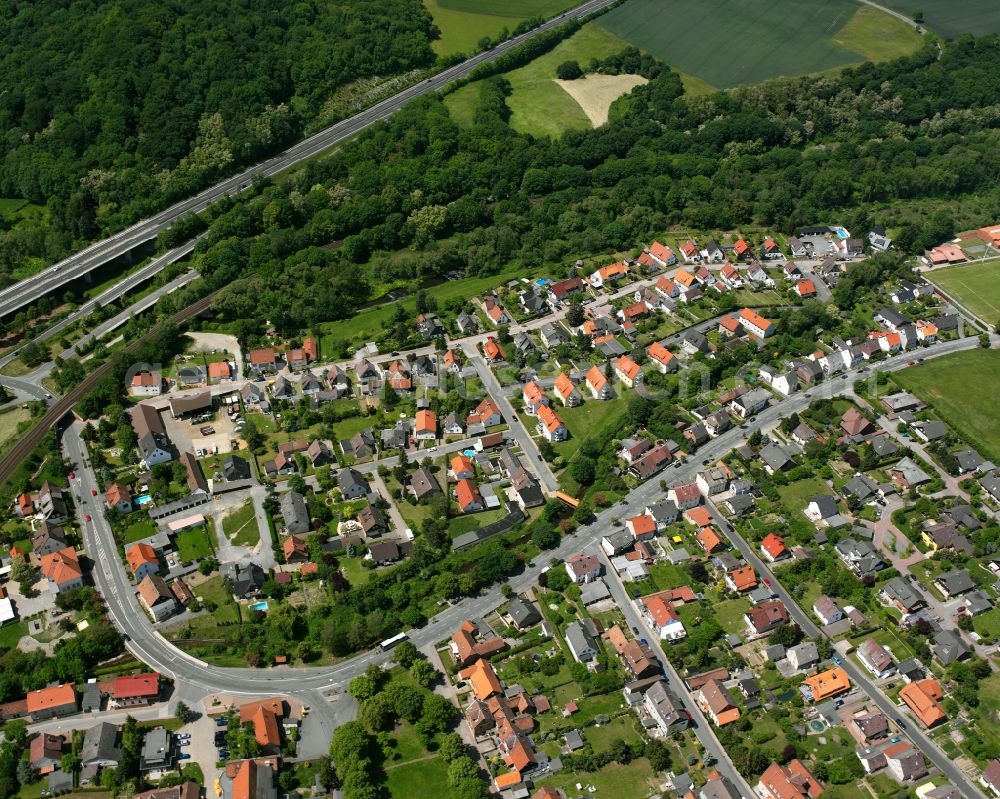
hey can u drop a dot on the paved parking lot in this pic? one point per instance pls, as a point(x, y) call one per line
point(187, 436)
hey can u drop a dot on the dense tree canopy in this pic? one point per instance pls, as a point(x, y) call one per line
point(112, 108)
point(782, 154)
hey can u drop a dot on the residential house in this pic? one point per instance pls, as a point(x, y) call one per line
point(118, 497)
point(495, 312)
point(662, 357)
point(62, 570)
point(954, 583)
point(793, 781)
point(523, 614)
point(949, 647)
point(468, 497)
point(659, 612)
point(566, 390)
point(750, 403)
point(859, 556)
point(142, 560)
point(146, 384)
point(156, 598)
point(755, 324)
point(628, 371)
point(765, 617)
point(583, 568)
point(822, 509)
point(466, 323)
point(826, 610)
point(666, 708)
point(550, 425)
point(581, 638)
point(716, 703)
point(923, 698)
point(875, 658)
point(773, 548)
point(352, 484)
point(825, 685)
point(598, 384)
point(803, 656)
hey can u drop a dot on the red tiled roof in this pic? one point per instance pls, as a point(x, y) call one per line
point(138, 685)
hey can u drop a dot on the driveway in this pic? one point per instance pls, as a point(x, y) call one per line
point(206, 342)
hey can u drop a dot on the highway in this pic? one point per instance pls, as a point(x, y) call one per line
point(99, 253)
point(196, 678)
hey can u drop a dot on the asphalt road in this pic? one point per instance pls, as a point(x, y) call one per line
point(99, 253)
point(702, 728)
point(195, 677)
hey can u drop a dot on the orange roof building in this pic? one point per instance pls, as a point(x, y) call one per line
point(566, 389)
point(425, 424)
point(660, 609)
point(142, 560)
point(219, 370)
point(483, 679)
point(793, 781)
point(493, 351)
point(468, 497)
point(56, 700)
point(597, 382)
point(773, 547)
point(742, 579)
point(461, 466)
point(827, 684)
point(923, 698)
point(264, 715)
point(700, 516)
point(663, 357)
point(805, 288)
point(709, 539)
point(756, 324)
point(62, 569)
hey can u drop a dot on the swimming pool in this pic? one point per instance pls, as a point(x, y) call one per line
point(143, 499)
point(261, 606)
point(470, 452)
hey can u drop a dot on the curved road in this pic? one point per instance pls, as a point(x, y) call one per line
point(30, 289)
point(196, 678)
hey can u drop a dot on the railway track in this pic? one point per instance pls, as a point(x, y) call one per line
point(64, 404)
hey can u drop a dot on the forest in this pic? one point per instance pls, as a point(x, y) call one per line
point(909, 144)
point(112, 109)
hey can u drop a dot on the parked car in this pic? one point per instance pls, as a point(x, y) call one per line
point(87, 517)
point(93, 492)
point(183, 756)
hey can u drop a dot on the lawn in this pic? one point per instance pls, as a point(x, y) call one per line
point(473, 521)
point(962, 387)
point(10, 634)
point(538, 104)
point(9, 421)
point(729, 614)
point(796, 496)
point(368, 324)
point(868, 33)
point(418, 779)
point(139, 530)
point(240, 526)
point(742, 42)
point(464, 22)
point(632, 780)
point(976, 286)
point(988, 623)
point(586, 420)
point(212, 590)
point(951, 20)
point(194, 544)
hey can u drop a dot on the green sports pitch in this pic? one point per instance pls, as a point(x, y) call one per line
point(736, 42)
point(976, 286)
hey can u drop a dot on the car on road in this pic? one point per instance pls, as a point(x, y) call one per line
point(767, 582)
point(901, 723)
point(72, 475)
point(93, 492)
point(837, 659)
point(87, 517)
point(911, 363)
point(706, 462)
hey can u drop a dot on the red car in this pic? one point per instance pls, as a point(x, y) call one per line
point(767, 582)
point(87, 517)
point(93, 492)
point(911, 363)
point(72, 475)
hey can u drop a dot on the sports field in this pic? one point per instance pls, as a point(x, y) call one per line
point(538, 105)
point(464, 22)
point(976, 286)
point(952, 19)
point(728, 43)
point(962, 388)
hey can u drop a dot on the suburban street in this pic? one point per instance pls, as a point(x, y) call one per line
point(196, 679)
point(99, 253)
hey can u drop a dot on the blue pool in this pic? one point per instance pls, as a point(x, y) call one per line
point(143, 499)
point(471, 453)
point(261, 606)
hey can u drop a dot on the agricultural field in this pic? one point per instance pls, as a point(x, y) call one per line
point(464, 22)
point(951, 20)
point(776, 37)
point(539, 105)
point(976, 286)
point(945, 384)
